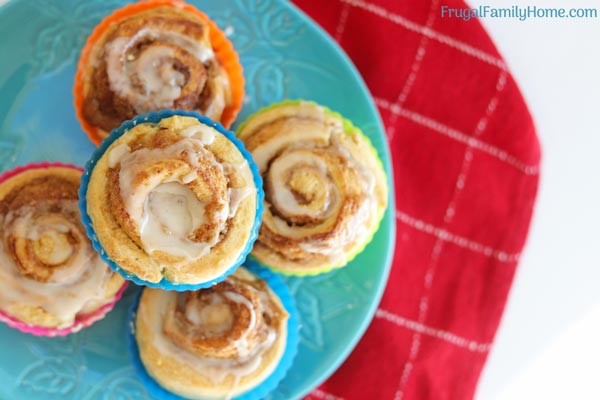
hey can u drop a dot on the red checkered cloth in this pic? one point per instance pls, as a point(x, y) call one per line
point(466, 169)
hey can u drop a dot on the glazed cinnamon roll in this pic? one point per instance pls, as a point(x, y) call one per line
point(325, 188)
point(213, 343)
point(49, 274)
point(154, 56)
point(173, 199)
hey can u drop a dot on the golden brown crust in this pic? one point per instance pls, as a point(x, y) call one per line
point(43, 192)
point(118, 232)
point(48, 187)
point(202, 82)
point(325, 190)
point(37, 315)
point(43, 241)
point(179, 352)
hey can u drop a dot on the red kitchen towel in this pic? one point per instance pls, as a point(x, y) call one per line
point(466, 169)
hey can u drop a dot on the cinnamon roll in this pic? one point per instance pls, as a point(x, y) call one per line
point(213, 343)
point(156, 55)
point(325, 187)
point(49, 274)
point(173, 198)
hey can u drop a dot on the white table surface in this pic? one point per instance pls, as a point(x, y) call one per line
point(548, 344)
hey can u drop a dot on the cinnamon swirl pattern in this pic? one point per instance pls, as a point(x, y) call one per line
point(50, 276)
point(219, 342)
point(325, 188)
point(172, 195)
point(153, 56)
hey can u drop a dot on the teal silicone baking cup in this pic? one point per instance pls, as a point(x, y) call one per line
point(265, 387)
point(155, 117)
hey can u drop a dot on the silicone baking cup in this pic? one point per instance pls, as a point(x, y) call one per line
point(155, 117)
point(222, 47)
point(268, 385)
point(81, 322)
point(350, 129)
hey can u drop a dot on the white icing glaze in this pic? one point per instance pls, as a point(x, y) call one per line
point(187, 178)
point(198, 49)
point(229, 168)
point(236, 196)
point(242, 345)
point(295, 136)
point(218, 86)
point(77, 288)
point(202, 133)
point(160, 80)
point(215, 370)
point(153, 69)
point(61, 251)
point(171, 214)
point(49, 229)
point(135, 163)
point(43, 226)
point(368, 176)
point(116, 154)
point(282, 156)
point(279, 172)
point(165, 211)
point(215, 318)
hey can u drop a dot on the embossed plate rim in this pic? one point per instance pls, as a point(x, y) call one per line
point(374, 121)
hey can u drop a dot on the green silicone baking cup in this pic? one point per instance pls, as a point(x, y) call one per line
point(350, 129)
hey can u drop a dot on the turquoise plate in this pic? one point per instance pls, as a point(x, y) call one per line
point(285, 55)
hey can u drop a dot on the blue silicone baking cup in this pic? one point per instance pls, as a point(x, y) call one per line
point(156, 117)
point(265, 387)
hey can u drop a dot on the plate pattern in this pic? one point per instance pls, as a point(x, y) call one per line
point(284, 56)
point(68, 25)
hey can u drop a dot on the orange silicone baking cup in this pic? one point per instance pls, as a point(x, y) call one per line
point(223, 48)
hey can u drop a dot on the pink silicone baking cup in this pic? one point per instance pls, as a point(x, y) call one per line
point(36, 165)
point(80, 322)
